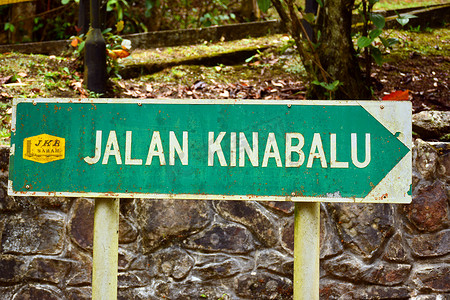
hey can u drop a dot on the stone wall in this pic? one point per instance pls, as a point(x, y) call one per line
point(230, 249)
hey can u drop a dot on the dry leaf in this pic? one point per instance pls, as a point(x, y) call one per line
point(397, 96)
point(120, 53)
point(74, 43)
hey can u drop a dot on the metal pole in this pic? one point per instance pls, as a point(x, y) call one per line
point(83, 16)
point(95, 53)
point(306, 250)
point(106, 249)
point(95, 14)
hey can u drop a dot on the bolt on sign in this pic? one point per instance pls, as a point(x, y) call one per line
point(341, 151)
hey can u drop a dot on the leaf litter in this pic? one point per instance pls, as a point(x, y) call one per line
point(420, 64)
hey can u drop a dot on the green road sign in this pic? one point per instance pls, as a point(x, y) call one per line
point(341, 151)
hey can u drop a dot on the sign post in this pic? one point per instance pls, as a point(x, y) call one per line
point(106, 215)
point(106, 249)
point(306, 250)
point(302, 151)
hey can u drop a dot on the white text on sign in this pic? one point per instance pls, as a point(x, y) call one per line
point(241, 151)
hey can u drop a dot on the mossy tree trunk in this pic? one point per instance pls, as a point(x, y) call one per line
point(336, 51)
point(330, 55)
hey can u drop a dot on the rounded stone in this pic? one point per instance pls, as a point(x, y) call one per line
point(429, 209)
point(229, 238)
point(164, 220)
point(363, 228)
point(251, 215)
point(33, 234)
point(425, 159)
point(431, 245)
point(37, 292)
point(81, 224)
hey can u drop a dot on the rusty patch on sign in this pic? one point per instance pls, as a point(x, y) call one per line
point(44, 148)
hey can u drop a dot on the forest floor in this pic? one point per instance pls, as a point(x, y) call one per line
point(420, 63)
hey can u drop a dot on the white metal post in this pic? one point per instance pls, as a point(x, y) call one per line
point(306, 250)
point(106, 249)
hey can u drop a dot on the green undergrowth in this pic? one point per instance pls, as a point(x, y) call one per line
point(276, 60)
point(43, 76)
point(34, 76)
point(396, 4)
point(220, 74)
point(426, 42)
point(169, 54)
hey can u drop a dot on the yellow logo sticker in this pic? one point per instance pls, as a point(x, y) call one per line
point(44, 148)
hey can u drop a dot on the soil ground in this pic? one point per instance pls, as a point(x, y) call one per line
point(420, 64)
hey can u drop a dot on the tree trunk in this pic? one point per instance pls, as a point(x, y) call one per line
point(336, 51)
point(22, 18)
point(334, 59)
point(249, 10)
point(154, 22)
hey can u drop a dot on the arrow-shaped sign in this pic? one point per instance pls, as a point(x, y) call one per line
point(213, 149)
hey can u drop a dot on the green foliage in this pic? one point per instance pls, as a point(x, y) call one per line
point(4, 133)
point(419, 29)
point(59, 19)
point(373, 40)
point(189, 14)
point(113, 42)
point(403, 19)
point(9, 27)
point(389, 42)
point(378, 20)
point(295, 67)
point(37, 24)
point(289, 44)
point(224, 296)
point(95, 95)
point(149, 5)
point(5, 122)
point(118, 6)
point(330, 87)
point(214, 18)
point(58, 27)
point(64, 2)
point(254, 57)
point(54, 23)
point(264, 5)
point(364, 41)
point(310, 18)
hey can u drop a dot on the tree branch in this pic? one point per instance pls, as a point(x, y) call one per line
point(296, 23)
